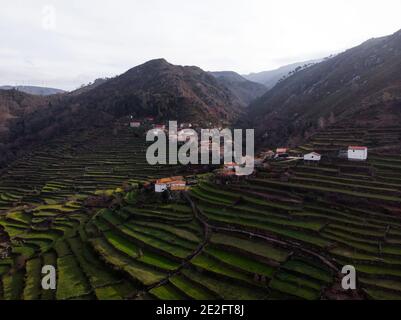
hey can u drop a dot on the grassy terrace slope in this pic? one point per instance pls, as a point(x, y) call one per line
point(334, 138)
point(337, 219)
point(169, 252)
point(347, 212)
point(42, 217)
point(283, 234)
point(137, 250)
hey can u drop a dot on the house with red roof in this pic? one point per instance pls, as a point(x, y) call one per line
point(357, 153)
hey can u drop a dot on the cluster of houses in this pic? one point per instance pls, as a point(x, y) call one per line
point(352, 153)
point(137, 123)
point(176, 183)
point(227, 174)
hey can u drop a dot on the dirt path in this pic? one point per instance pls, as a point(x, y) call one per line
point(196, 252)
point(286, 243)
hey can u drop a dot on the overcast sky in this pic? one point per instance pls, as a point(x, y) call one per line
point(64, 44)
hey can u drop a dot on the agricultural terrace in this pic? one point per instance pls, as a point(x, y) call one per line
point(43, 217)
point(283, 233)
point(336, 138)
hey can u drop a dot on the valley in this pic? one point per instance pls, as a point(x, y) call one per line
point(77, 191)
point(81, 203)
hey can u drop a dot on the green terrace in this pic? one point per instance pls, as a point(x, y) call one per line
point(263, 237)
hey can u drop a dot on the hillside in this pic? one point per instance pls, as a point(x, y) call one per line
point(15, 105)
point(155, 88)
point(40, 91)
point(89, 86)
point(80, 203)
point(270, 78)
point(360, 87)
point(245, 90)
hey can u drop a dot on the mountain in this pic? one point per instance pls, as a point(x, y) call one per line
point(90, 86)
point(360, 87)
point(166, 91)
point(157, 88)
point(40, 91)
point(270, 78)
point(15, 107)
point(246, 91)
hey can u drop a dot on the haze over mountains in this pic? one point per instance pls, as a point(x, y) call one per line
point(41, 91)
point(358, 87)
point(270, 78)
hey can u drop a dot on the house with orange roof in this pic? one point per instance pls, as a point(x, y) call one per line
point(175, 183)
point(281, 150)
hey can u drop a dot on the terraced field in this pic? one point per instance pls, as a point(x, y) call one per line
point(336, 138)
point(261, 238)
point(43, 218)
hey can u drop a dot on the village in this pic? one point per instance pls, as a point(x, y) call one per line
point(226, 172)
point(296, 198)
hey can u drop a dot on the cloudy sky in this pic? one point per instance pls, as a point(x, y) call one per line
point(64, 44)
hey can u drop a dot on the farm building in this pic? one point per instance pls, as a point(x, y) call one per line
point(135, 124)
point(230, 166)
point(160, 126)
point(160, 186)
point(357, 153)
point(173, 183)
point(178, 185)
point(281, 150)
point(313, 156)
point(224, 176)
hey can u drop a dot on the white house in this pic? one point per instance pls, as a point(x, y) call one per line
point(160, 187)
point(134, 124)
point(230, 166)
point(313, 156)
point(357, 153)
